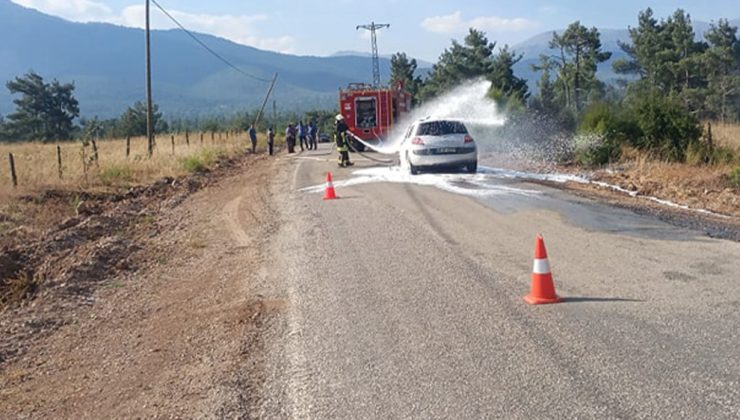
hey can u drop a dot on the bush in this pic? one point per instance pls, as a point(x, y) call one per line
point(116, 174)
point(698, 153)
point(593, 149)
point(735, 177)
point(702, 154)
point(723, 156)
point(667, 128)
point(201, 161)
point(603, 129)
point(193, 164)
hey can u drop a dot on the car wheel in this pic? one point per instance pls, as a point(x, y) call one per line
point(473, 167)
point(413, 169)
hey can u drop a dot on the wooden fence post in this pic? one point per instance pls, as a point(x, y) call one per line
point(13, 177)
point(128, 146)
point(172, 139)
point(213, 137)
point(95, 153)
point(187, 138)
point(59, 160)
point(201, 137)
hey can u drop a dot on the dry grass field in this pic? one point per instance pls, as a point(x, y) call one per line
point(37, 165)
point(727, 134)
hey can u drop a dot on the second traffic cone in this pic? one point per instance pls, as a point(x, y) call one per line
point(329, 194)
point(543, 288)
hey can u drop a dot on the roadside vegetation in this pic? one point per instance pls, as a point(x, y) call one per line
point(667, 126)
point(109, 166)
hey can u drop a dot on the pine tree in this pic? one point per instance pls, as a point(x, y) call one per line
point(459, 63)
point(722, 63)
point(403, 70)
point(545, 101)
point(133, 120)
point(505, 86)
point(45, 111)
point(580, 53)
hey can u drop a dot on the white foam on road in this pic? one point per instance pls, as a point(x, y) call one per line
point(480, 185)
point(465, 184)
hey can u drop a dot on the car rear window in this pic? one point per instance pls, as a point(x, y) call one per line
point(441, 128)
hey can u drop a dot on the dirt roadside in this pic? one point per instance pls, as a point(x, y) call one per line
point(170, 333)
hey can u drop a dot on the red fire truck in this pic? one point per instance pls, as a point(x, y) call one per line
point(371, 112)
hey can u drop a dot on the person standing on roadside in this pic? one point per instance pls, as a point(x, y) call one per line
point(253, 137)
point(270, 140)
point(302, 134)
point(290, 138)
point(312, 145)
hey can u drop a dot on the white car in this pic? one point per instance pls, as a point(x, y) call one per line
point(438, 144)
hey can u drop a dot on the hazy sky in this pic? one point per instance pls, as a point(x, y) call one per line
point(421, 28)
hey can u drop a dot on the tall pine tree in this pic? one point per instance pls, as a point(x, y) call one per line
point(45, 111)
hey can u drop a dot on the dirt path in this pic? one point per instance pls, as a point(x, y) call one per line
point(174, 338)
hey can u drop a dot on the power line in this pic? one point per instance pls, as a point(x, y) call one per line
point(202, 44)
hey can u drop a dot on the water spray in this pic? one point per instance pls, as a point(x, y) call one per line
point(468, 103)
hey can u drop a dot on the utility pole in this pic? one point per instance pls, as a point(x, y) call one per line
point(149, 116)
point(269, 92)
point(274, 113)
point(373, 27)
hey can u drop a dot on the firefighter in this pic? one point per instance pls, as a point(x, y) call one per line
point(340, 136)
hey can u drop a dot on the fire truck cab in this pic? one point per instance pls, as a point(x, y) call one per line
point(370, 112)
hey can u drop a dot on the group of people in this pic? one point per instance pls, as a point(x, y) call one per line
point(307, 136)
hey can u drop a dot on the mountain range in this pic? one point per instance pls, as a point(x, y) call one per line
point(106, 63)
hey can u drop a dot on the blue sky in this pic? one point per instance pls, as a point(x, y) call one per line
point(421, 28)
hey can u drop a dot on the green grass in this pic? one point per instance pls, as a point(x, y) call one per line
point(735, 177)
point(117, 285)
point(116, 174)
point(193, 164)
point(200, 161)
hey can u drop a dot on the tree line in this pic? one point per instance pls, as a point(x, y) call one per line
point(669, 83)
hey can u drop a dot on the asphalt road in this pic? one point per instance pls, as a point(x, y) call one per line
point(405, 301)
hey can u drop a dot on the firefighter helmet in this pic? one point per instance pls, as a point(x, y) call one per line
point(339, 117)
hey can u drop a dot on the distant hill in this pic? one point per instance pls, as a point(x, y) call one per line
point(106, 62)
point(533, 47)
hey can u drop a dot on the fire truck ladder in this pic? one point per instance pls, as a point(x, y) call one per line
point(373, 27)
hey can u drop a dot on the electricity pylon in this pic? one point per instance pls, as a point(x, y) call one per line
point(373, 27)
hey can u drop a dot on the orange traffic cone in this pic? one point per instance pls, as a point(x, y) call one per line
point(543, 289)
point(329, 194)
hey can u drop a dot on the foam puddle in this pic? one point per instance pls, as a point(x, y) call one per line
point(465, 184)
point(483, 183)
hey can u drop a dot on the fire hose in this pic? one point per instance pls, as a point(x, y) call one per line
point(383, 161)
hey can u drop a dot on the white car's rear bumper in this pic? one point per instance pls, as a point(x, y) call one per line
point(442, 160)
